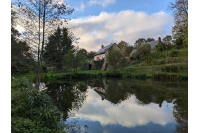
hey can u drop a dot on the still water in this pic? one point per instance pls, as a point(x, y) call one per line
point(122, 106)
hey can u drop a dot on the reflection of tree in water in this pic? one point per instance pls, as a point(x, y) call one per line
point(116, 91)
point(146, 92)
point(74, 127)
point(111, 90)
point(67, 96)
point(71, 95)
point(180, 112)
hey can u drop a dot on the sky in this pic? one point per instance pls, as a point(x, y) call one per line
point(101, 22)
point(110, 21)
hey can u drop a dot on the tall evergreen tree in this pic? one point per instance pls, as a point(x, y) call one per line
point(59, 44)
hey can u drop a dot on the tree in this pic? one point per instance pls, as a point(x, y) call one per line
point(91, 54)
point(59, 44)
point(21, 57)
point(168, 38)
point(128, 50)
point(143, 51)
point(83, 52)
point(180, 13)
point(74, 59)
point(139, 42)
point(41, 14)
point(149, 40)
point(123, 45)
point(115, 59)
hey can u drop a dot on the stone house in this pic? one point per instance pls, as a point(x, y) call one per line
point(103, 53)
point(152, 44)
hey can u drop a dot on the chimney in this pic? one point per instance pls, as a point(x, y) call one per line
point(102, 46)
point(159, 39)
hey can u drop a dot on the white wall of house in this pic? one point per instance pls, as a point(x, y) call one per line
point(99, 57)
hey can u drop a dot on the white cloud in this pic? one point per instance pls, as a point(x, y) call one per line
point(126, 25)
point(81, 8)
point(103, 3)
point(128, 114)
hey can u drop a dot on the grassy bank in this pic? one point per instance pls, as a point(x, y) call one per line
point(31, 110)
point(90, 74)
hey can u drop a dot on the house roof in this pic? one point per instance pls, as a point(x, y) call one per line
point(104, 49)
point(153, 44)
point(133, 51)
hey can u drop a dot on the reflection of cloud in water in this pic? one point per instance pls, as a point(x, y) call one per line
point(128, 113)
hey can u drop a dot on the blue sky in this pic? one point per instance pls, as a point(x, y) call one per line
point(147, 6)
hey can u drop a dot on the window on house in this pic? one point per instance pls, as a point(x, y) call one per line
point(97, 58)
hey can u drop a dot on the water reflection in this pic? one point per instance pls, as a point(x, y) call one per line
point(67, 95)
point(124, 104)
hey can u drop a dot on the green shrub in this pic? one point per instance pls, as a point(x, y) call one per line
point(143, 51)
point(183, 52)
point(160, 47)
point(99, 64)
point(159, 55)
point(174, 53)
point(32, 110)
point(163, 47)
point(115, 59)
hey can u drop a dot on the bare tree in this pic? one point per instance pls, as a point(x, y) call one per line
point(38, 19)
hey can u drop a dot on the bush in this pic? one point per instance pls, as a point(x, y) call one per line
point(163, 47)
point(183, 52)
point(32, 110)
point(143, 51)
point(160, 47)
point(99, 64)
point(174, 53)
point(115, 59)
point(159, 55)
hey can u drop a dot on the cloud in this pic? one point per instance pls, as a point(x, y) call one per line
point(126, 25)
point(128, 114)
point(103, 3)
point(81, 8)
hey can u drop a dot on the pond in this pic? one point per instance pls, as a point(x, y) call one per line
point(122, 105)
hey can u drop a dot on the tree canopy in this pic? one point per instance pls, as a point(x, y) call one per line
point(125, 47)
point(115, 59)
point(149, 40)
point(167, 38)
point(59, 44)
point(91, 54)
point(75, 58)
point(21, 57)
point(180, 13)
point(139, 42)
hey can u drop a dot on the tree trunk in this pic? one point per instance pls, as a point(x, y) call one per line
point(41, 56)
point(38, 67)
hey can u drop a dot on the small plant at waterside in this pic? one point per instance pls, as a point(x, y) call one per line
point(32, 110)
